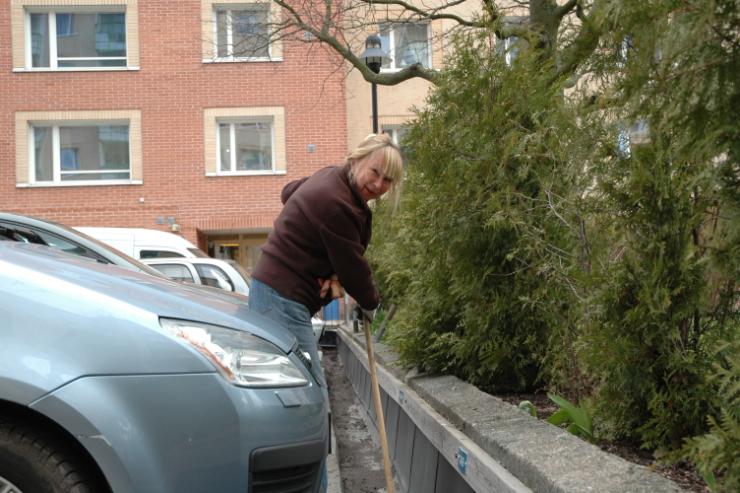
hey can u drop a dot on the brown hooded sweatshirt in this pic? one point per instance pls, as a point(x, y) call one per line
point(323, 230)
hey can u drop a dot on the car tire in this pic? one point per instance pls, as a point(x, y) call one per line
point(35, 460)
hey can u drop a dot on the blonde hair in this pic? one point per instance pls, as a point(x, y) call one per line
point(392, 163)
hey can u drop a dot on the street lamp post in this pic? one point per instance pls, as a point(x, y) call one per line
point(374, 57)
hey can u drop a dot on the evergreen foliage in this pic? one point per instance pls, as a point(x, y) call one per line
point(480, 253)
point(717, 453)
point(669, 290)
point(536, 247)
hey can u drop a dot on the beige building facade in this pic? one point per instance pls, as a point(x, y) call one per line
point(406, 43)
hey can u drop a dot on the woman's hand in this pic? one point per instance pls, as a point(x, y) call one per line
point(337, 291)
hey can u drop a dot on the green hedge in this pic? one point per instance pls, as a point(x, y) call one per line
point(532, 250)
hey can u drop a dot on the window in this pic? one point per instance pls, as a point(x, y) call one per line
point(406, 44)
point(245, 146)
point(158, 254)
point(73, 152)
point(508, 48)
point(70, 158)
point(75, 34)
point(623, 51)
point(243, 33)
point(634, 135)
point(76, 148)
point(239, 31)
point(213, 276)
point(77, 39)
point(398, 133)
point(244, 141)
point(175, 272)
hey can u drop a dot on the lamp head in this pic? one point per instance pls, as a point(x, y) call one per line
point(374, 55)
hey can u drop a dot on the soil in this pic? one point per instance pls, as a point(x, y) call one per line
point(360, 462)
point(682, 473)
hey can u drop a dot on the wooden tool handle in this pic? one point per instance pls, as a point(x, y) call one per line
point(387, 467)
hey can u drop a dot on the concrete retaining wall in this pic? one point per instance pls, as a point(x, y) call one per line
point(446, 436)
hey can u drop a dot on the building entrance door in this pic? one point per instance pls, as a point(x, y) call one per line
point(243, 248)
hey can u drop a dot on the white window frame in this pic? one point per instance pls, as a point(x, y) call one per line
point(393, 131)
point(504, 48)
point(392, 43)
point(52, 29)
point(510, 56)
point(56, 151)
point(230, 33)
point(232, 122)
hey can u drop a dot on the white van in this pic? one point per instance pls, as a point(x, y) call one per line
point(143, 243)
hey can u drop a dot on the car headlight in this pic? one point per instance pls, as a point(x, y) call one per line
point(242, 358)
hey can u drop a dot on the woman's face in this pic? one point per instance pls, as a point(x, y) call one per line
point(369, 177)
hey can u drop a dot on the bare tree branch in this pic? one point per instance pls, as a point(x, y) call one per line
point(325, 34)
point(341, 26)
point(585, 42)
point(563, 10)
point(432, 14)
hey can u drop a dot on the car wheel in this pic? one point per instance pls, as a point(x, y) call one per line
point(36, 461)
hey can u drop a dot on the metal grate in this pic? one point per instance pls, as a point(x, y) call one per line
point(299, 479)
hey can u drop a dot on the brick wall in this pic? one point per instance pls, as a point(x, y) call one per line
point(171, 90)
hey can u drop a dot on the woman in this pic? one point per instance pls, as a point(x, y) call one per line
point(318, 241)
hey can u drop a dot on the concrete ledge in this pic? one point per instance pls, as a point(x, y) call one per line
point(543, 457)
point(425, 448)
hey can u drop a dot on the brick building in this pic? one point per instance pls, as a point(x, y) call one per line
point(160, 114)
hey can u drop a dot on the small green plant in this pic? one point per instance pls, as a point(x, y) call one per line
point(529, 407)
point(575, 418)
point(377, 320)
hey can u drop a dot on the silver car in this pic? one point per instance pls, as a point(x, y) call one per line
point(112, 380)
point(27, 229)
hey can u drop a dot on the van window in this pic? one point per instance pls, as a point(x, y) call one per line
point(158, 254)
point(210, 275)
point(197, 252)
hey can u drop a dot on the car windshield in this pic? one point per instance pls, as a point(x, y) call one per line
point(27, 235)
point(242, 272)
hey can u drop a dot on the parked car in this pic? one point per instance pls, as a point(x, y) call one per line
point(223, 274)
point(26, 229)
point(142, 243)
point(217, 273)
point(112, 380)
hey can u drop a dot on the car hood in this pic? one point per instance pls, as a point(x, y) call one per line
point(137, 294)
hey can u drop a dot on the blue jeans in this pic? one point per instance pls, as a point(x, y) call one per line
point(296, 318)
point(290, 314)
